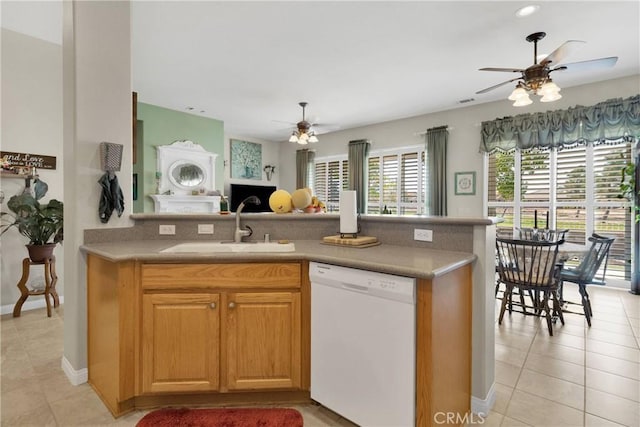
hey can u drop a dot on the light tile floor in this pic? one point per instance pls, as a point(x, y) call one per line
point(35, 391)
point(579, 377)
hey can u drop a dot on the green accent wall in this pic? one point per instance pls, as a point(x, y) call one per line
point(161, 126)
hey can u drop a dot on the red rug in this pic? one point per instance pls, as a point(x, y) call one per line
point(222, 417)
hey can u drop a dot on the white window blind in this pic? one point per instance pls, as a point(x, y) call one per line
point(579, 188)
point(397, 180)
point(330, 177)
point(409, 183)
point(373, 199)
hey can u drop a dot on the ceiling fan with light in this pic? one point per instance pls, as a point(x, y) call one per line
point(303, 133)
point(535, 79)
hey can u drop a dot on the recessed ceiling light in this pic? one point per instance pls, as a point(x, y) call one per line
point(527, 10)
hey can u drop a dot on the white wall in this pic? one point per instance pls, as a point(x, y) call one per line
point(31, 123)
point(270, 156)
point(464, 137)
point(97, 107)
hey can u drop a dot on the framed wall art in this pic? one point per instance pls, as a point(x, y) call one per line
point(246, 159)
point(465, 183)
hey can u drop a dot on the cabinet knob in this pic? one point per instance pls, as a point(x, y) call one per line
point(212, 305)
point(232, 304)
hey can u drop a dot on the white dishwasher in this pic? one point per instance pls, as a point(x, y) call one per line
point(363, 345)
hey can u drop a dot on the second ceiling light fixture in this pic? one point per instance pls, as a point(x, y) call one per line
point(303, 134)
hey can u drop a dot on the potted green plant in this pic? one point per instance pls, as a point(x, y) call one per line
point(628, 186)
point(630, 190)
point(42, 224)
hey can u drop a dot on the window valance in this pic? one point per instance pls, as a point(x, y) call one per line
point(608, 121)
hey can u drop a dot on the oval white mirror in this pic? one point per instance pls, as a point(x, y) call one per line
point(186, 174)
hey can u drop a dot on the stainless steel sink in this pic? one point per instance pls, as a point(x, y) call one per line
point(205, 247)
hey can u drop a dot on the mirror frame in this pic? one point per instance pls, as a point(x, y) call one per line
point(182, 152)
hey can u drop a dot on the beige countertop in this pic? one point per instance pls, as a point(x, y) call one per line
point(400, 260)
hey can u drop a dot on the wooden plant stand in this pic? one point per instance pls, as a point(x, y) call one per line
point(50, 280)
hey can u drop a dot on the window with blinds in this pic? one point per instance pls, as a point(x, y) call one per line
point(330, 177)
point(390, 178)
point(571, 175)
point(373, 196)
point(534, 176)
point(501, 190)
point(397, 180)
point(578, 187)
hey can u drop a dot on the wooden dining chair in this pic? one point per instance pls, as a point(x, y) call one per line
point(528, 265)
point(585, 273)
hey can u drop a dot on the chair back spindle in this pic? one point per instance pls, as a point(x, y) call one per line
point(539, 234)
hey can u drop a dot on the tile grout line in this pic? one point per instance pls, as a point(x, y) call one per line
point(520, 374)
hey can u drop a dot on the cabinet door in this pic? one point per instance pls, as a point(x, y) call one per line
point(263, 340)
point(180, 342)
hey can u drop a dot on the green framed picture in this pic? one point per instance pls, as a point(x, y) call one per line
point(465, 183)
point(246, 159)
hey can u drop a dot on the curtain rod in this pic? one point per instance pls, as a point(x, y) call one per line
point(433, 128)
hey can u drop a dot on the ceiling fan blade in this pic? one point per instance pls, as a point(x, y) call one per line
point(496, 86)
point(321, 128)
point(591, 64)
point(507, 70)
point(282, 121)
point(560, 53)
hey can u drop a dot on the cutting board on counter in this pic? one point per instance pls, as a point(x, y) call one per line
point(359, 242)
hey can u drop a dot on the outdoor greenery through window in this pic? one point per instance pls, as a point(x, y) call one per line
point(578, 188)
point(396, 181)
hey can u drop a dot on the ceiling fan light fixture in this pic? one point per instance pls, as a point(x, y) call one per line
point(548, 88)
point(302, 135)
point(550, 97)
point(523, 101)
point(518, 93)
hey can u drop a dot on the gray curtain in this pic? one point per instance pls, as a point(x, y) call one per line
point(436, 146)
point(358, 171)
point(304, 167)
point(608, 121)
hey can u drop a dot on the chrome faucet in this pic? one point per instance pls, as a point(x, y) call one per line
point(240, 233)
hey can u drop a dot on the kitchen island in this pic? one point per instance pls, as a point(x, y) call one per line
point(248, 340)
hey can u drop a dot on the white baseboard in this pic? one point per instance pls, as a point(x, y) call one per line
point(30, 304)
point(75, 377)
point(483, 406)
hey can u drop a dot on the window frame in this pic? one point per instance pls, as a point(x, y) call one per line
point(420, 205)
point(589, 203)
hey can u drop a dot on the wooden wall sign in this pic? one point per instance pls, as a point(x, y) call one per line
point(38, 161)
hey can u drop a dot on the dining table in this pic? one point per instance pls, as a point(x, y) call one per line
point(568, 250)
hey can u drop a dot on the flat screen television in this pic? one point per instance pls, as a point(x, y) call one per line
point(239, 192)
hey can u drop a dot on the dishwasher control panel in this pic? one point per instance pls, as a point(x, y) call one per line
point(383, 285)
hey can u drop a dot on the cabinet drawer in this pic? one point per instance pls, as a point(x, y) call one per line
point(241, 275)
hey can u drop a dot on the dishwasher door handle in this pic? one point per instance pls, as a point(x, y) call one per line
point(354, 287)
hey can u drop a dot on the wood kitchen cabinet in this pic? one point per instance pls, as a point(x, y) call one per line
point(181, 348)
point(263, 340)
point(162, 334)
point(180, 342)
